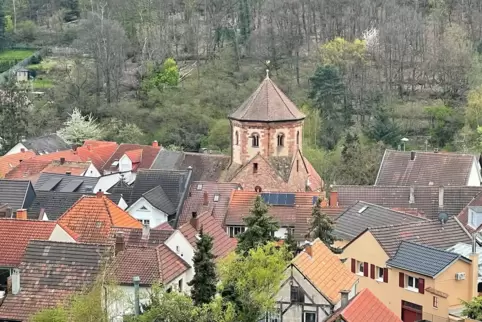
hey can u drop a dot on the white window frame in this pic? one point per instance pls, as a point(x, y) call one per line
point(309, 312)
point(144, 221)
point(360, 268)
point(412, 286)
point(380, 273)
point(234, 231)
point(216, 197)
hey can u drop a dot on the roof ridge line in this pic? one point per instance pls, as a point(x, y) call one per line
point(278, 91)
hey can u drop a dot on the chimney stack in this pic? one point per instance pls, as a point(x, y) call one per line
point(22, 150)
point(68, 173)
point(441, 197)
point(146, 230)
point(194, 221)
point(62, 160)
point(309, 249)
point(412, 195)
point(205, 199)
point(412, 155)
point(334, 199)
point(99, 194)
point(8, 212)
point(21, 214)
point(15, 281)
point(119, 242)
point(344, 298)
point(155, 143)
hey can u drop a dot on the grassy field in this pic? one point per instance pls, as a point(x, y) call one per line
point(16, 54)
point(42, 83)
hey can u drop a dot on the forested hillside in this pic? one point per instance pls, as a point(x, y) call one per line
point(366, 72)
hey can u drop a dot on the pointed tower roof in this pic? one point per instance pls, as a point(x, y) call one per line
point(267, 104)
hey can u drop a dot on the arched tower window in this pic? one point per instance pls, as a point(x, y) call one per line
point(236, 138)
point(281, 139)
point(255, 138)
point(297, 137)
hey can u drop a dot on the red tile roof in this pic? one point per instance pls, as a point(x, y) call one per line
point(68, 155)
point(195, 201)
point(151, 264)
point(149, 154)
point(242, 201)
point(463, 216)
point(98, 152)
point(15, 235)
point(75, 168)
point(133, 236)
point(164, 226)
point(222, 244)
point(135, 155)
point(29, 169)
point(365, 307)
point(93, 217)
point(9, 162)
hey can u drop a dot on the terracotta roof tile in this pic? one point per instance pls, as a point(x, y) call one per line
point(93, 217)
point(98, 153)
point(365, 307)
point(463, 216)
point(222, 244)
point(195, 201)
point(75, 168)
point(149, 154)
point(135, 155)
point(9, 162)
point(68, 155)
point(15, 235)
point(164, 226)
point(325, 270)
point(428, 168)
point(268, 103)
point(151, 264)
point(29, 169)
point(133, 236)
point(50, 272)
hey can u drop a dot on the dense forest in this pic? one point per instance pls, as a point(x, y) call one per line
point(366, 72)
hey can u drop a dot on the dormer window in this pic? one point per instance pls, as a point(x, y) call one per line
point(475, 216)
point(255, 140)
point(216, 197)
point(281, 139)
point(199, 187)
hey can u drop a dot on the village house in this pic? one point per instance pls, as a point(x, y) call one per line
point(417, 168)
point(40, 145)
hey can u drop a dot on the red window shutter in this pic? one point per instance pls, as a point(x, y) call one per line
point(365, 269)
point(421, 285)
point(401, 280)
point(385, 275)
point(372, 271)
point(353, 265)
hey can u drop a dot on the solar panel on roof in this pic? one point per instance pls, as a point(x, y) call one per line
point(50, 184)
point(265, 197)
point(279, 199)
point(72, 186)
point(273, 198)
point(290, 199)
point(282, 198)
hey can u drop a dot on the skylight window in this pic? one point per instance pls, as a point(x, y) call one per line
point(216, 197)
point(115, 163)
point(199, 187)
point(363, 209)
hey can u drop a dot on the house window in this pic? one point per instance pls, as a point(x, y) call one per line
point(236, 138)
point(297, 165)
point(310, 316)
point(144, 221)
point(216, 197)
point(412, 283)
point(179, 284)
point(435, 302)
point(297, 137)
point(281, 139)
point(255, 168)
point(199, 187)
point(380, 274)
point(360, 268)
point(297, 295)
point(169, 290)
point(255, 138)
point(233, 231)
point(177, 249)
point(475, 216)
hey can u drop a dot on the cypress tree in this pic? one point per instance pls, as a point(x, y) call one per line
point(260, 228)
point(203, 285)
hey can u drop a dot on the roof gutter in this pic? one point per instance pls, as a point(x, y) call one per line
point(183, 197)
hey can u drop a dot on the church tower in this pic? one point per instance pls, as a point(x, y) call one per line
point(267, 132)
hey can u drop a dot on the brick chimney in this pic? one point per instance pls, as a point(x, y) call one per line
point(119, 242)
point(15, 281)
point(205, 199)
point(344, 298)
point(155, 143)
point(412, 155)
point(99, 194)
point(440, 197)
point(62, 160)
point(21, 214)
point(89, 147)
point(194, 221)
point(22, 150)
point(309, 249)
point(68, 173)
point(334, 199)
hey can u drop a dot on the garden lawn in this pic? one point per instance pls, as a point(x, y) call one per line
point(16, 54)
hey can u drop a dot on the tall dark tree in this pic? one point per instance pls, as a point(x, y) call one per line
point(203, 284)
point(383, 128)
point(260, 228)
point(291, 243)
point(14, 115)
point(3, 37)
point(328, 95)
point(322, 226)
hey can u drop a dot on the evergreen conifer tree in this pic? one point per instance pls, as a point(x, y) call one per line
point(260, 228)
point(321, 225)
point(291, 243)
point(203, 284)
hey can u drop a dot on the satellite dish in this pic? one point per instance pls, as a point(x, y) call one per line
point(443, 217)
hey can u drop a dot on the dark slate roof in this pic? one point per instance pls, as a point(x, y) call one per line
point(159, 199)
point(205, 166)
point(431, 233)
point(46, 144)
point(423, 260)
point(426, 198)
point(173, 182)
point(55, 203)
point(427, 168)
point(267, 104)
point(65, 183)
point(122, 188)
point(49, 273)
point(16, 193)
point(362, 215)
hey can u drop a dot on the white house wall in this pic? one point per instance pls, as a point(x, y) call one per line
point(60, 235)
point(92, 171)
point(109, 180)
point(17, 149)
point(154, 215)
point(181, 246)
point(125, 164)
point(475, 176)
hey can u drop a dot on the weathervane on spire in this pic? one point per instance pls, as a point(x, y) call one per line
point(267, 68)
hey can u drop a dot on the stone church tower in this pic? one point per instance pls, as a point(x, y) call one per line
point(267, 137)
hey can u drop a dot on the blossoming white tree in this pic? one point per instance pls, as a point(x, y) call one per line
point(79, 128)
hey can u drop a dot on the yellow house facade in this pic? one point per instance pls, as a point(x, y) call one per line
point(407, 282)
